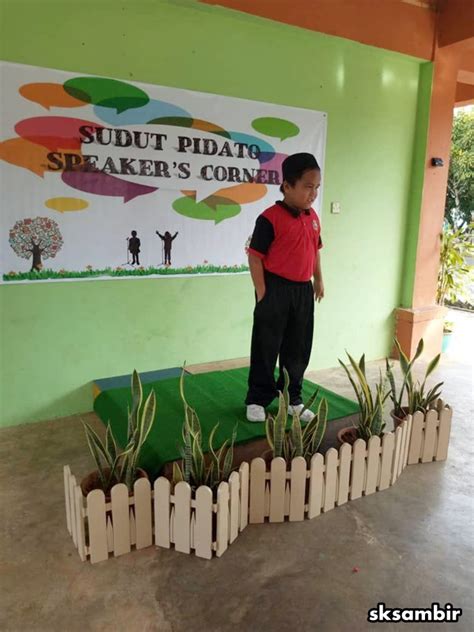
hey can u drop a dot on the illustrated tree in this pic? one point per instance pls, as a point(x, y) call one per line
point(36, 239)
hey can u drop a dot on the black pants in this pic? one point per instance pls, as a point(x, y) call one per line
point(135, 258)
point(282, 326)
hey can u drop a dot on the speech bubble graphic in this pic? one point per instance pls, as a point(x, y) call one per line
point(180, 121)
point(100, 183)
point(275, 127)
point(154, 109)
point(108, 93)
point(23, 153)
point(66, 204)
point(49, 95)
point(273, 162)
point(53, 132)
point(248, 139)
point(243, 193)
point(215, 209)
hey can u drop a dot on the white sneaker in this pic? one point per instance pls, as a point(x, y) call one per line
point(255, 413)
point(306, 417)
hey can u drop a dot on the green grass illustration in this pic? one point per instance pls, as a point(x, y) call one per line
point(121, 271)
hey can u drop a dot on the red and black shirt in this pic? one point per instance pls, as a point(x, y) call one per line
point(287, 240)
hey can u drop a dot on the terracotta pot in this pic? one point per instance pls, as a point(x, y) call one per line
point(92, 481)
point(398, 420)
point(347, 435)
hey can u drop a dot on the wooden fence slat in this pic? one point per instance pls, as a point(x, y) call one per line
point(80, 531)
point(358, 469)
point(429, 444)
point(244, 495)
point(143, 521)
point(297, 488)
point(67, 474)
point(222, 535)
point(330, 479)
point(373, 464)
point(316, 481)
point(406, 448)
point(72, 508)
point(162, 509)
point(388, 445)
point(444, 430)
point(203, 525)
point(120, 519)
point(345, 453)
point(234, 490)
point(396, 455)
point(277, 489)
point(257, 491)
point(182, 517)
point(414, 452)
point(97, 526)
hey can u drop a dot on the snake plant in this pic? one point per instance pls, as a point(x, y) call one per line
point(195, 468)
point(120, 466)
point(299, 441)
point(371, 405)
point(417, 398)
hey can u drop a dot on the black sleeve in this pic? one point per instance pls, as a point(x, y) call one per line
point(263, 235)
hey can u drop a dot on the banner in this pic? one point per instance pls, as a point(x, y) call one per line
point(104, 178)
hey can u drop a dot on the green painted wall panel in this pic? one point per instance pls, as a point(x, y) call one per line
point(57, 337)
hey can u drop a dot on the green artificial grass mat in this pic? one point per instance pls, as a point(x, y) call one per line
point(217, 397)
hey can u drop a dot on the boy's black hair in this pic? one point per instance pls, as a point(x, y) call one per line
point(134, 233)
point(294, 167)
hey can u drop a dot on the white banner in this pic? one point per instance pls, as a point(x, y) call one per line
point(87, 160)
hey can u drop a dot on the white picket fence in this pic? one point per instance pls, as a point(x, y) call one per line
point(195, 523)
point(190, 522)
point(331, 480)
point(430, 434)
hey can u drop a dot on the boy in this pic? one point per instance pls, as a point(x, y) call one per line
point(134, 247)
point(283, 258)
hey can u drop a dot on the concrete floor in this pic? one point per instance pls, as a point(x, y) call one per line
point(411, 543)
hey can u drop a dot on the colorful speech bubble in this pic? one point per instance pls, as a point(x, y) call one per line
point(23, 153)
point(180, 121)
point(49, 95)
point(275, 127)
point(215, 208)
point(154, 109)
point(66, 204)
point(248, 139)
point(53, 132)
point(100, 183)
point(108, 93)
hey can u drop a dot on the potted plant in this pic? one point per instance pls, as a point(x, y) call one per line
point(298, 441)
point(113, 464)
point(448, 327)
point(417, 397)
point(197, 468)
point(371, 405)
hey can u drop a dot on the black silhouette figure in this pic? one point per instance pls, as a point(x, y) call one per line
point(134, 247)
point(167, 243)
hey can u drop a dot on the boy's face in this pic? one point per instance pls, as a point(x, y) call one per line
point(305, 190)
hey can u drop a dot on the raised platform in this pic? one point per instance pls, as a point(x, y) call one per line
point(217, 397)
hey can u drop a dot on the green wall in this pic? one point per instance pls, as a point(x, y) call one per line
point(57, 337)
